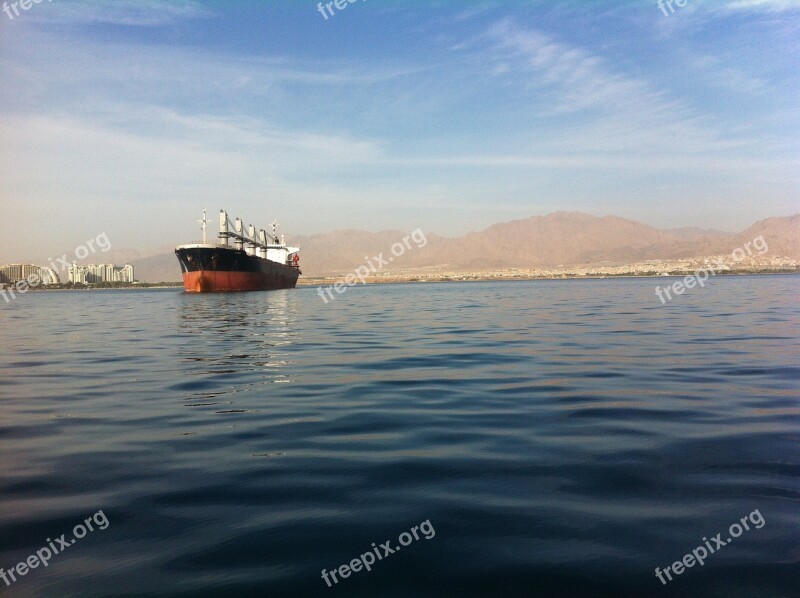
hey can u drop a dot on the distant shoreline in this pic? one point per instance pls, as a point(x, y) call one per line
point(475, 277)
point(60, 287)
point(420, 279)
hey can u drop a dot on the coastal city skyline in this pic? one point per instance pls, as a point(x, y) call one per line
point(11, 274)
point(359, 121)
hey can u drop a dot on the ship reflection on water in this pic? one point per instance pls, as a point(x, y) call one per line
point(233, 342)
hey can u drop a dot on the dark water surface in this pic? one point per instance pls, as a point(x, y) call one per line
point(562, 438)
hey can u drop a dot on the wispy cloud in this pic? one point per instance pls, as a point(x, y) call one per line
point(763, 5)
point(575, 79)
point(614, 111)
point(718, 74)
point(138, 13)
point(473, 12)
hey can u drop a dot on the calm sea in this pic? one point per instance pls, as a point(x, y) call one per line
point(561, 438)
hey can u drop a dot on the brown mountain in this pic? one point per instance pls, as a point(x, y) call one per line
point(562, 238)
point(782, 235)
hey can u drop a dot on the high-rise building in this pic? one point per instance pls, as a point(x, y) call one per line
point(95, 273)
point(34, 275)
point(124, 274)
point(77, 274)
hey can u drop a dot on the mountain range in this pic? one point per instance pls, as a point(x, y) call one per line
point(558, 239)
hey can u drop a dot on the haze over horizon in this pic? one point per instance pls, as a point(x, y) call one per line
point(130, 118)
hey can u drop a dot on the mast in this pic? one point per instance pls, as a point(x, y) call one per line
point(204, 226)
point(238, 238)
point(275, 232)
point(224, 235)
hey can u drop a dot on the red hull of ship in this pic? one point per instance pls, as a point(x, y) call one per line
point(208, 281)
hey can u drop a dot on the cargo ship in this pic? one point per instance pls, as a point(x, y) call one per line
point(240, 260)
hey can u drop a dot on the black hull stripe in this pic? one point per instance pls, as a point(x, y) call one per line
point(230, 260)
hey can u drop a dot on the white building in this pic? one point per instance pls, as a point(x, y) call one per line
point(35, 275)
point(95, 273)
point(76, 274)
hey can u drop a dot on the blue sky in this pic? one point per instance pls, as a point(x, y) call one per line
point(131, 117)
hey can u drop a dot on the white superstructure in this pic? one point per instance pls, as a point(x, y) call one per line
point(256, 243)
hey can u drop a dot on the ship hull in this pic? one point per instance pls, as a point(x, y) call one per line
point(215, 269)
